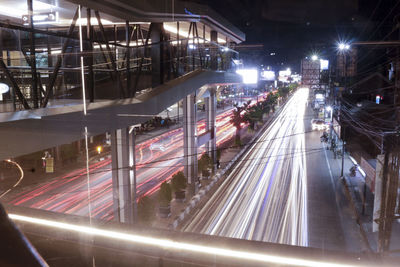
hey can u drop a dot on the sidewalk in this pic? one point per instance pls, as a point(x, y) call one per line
point(361, 202)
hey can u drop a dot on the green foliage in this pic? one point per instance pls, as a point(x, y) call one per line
point(146, 209)
point(178, 181)
point(165, 194)
point(293, 86)
point(283, 91)
point(237, 118)
point(204, 162)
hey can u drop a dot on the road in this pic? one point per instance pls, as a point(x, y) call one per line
point(265, 196)
point(157, 159)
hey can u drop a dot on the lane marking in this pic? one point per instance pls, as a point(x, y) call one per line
point(329, 167)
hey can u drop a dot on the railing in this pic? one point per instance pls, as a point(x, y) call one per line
point(111, 70)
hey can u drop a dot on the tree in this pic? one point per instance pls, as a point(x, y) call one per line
point(271, 100)
point(283, 91)
point(204, 163)
point(254, 114)
point(237, 119)
point(178, 181)
point(165, 194)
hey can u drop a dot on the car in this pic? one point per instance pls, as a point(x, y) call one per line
point(319, 124)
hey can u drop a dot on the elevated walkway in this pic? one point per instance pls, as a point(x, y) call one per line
point(79, 240)
point(28, 131)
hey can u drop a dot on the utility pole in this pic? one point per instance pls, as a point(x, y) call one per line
point(341, 113)
point(390, 179)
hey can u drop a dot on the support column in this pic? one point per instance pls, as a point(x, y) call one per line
point(132, 172)
point(211, 108)
point(214, 50)
point(121, 182)
point(157, 49)
point(34, 87)
point(190, 141)
point(128, 58)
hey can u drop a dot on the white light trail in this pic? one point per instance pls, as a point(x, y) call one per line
point(170, 244)
point(265, 200)
point(82, 64)
point(19, 180)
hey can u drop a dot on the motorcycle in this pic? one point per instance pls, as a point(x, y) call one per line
point(324, 138)
point(353, 170)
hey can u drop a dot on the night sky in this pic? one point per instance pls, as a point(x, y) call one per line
point(294, 29)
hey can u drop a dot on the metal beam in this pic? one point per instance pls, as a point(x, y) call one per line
point(59, 60)
point(157, 68)
point(141, 61)
point(34, 86)
point(128, 58)
point(114, 65)
point(14, 84)
point(377, 43)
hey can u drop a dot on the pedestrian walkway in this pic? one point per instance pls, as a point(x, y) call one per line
point(361, 201)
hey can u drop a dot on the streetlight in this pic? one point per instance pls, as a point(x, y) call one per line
point(343, 46)
point(314, 57)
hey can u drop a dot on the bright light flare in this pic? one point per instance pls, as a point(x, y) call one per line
point(343, 46)
point(250, 76)
point(314, 57)
point(170, 244)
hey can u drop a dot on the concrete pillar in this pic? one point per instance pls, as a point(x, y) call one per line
point(211, 108)
point(121, 180)
point(157, 73)
point(378, 191)
point(190, 141)
point(214, 50)
point(132, 171)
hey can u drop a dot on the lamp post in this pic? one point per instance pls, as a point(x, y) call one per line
point(343, 48)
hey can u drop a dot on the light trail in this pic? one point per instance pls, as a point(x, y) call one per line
point(265, 200)
point(69, 193)
point(19, 180)
point(179, 246)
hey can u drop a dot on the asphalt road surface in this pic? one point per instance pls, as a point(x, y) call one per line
point(265, 196)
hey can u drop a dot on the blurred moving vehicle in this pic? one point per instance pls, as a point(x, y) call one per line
point(319, 124)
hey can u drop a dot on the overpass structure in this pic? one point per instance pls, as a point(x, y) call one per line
point(75, 69)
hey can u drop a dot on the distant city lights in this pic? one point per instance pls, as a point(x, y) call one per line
point(268, 75)
point(324, 64)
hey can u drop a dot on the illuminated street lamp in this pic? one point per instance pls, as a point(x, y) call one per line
point(343, 46)
point(314, 57)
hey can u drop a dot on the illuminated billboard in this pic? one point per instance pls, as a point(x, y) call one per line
point(268, 75)
point(250, 76)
